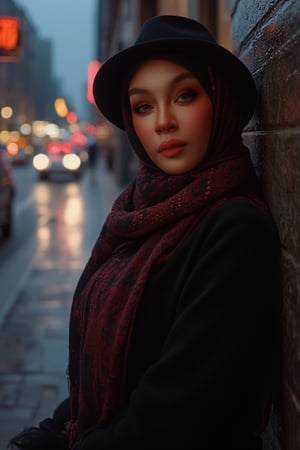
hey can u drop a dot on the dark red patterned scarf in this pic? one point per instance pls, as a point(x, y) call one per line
point(147, 224)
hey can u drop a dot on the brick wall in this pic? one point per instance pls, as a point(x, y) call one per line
point(266, 35)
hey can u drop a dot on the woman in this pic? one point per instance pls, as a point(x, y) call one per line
point(173, 322)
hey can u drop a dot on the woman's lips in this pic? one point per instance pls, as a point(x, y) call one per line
point(171, 148)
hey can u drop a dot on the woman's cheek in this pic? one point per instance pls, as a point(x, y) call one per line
point(141, 128)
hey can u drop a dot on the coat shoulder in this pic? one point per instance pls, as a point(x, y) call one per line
point(240, 214)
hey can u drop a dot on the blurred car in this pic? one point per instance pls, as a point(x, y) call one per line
point(21, 156)
point(57, 158)
point(7, 193)
point(16, 155)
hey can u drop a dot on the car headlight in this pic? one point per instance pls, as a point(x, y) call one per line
point(41, 162)
point(71, 162)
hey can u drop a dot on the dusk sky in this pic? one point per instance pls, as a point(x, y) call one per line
point(71, 26)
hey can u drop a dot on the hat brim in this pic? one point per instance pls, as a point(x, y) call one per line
point(108, 81)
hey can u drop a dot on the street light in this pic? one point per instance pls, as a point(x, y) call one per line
point(60, 107)
point(6, 112)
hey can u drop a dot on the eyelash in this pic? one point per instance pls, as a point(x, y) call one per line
point(138, 108)
point(188, 96)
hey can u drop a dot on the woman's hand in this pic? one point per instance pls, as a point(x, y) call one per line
point(44, 437)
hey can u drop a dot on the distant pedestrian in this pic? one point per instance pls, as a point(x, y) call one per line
point(93, 153)
point(173, 323)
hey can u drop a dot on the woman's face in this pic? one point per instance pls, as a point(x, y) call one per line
point(171, 114)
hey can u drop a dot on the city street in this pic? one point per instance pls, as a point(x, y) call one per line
point(56, 225)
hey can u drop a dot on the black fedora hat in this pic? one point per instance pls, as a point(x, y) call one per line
point(178, 35)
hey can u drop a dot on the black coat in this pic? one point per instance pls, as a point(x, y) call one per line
point(204, 343)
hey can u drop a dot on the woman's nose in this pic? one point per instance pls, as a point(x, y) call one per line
point(165, 121)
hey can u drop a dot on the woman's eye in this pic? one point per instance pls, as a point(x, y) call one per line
point(142, 108)
point(185, 97)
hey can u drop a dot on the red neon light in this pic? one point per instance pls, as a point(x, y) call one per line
point(93, 68)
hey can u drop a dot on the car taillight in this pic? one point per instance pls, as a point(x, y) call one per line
point(66, 147)
point(54, 148)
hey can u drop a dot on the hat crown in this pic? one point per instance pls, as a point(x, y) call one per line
point(171, 35)
point(173, 27)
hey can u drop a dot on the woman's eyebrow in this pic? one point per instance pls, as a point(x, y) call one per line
point(137, 90)
point(183, 76)
point(180, 77)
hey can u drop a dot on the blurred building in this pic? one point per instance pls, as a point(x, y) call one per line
point(28, 85)
point(265, 35)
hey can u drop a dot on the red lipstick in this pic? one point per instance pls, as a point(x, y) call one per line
point(171, 148)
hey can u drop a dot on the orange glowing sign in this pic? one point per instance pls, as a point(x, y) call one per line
point(9, 38)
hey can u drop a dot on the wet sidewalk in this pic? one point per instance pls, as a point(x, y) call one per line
point(34, 335)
